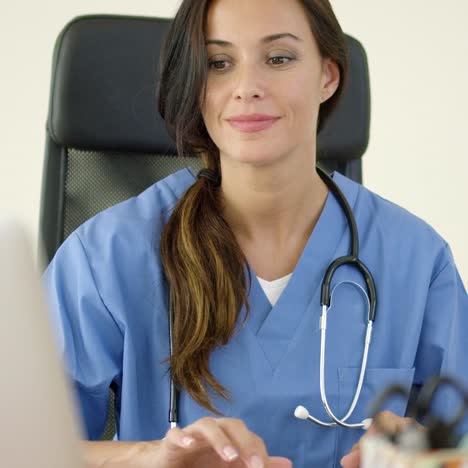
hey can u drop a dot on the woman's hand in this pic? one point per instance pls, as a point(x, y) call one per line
point(207, 443)
point(388, 420)
point(217, 443)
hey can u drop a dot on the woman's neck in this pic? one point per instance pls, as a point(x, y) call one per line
point(272, 212)
point(272, 202)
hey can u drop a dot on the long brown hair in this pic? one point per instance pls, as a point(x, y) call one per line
point(202, 261)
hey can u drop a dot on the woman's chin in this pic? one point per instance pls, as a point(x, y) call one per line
point(255, 158)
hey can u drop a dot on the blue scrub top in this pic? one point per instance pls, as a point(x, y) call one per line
point(109, 304)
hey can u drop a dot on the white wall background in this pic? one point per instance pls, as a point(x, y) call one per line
point(417, 52)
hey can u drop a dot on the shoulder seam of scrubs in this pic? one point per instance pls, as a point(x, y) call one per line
point(95, 284)
point(177, 196)
point(190, 169)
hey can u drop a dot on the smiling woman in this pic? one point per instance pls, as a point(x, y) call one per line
point(261, 86)
point(247, 85)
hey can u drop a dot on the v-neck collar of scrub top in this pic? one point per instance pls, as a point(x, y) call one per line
point(275, 326)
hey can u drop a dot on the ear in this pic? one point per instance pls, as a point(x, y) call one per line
point(330, 79)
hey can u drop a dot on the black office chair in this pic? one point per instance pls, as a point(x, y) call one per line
point(105, 141)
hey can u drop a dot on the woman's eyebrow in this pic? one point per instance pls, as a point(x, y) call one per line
point(264, 40)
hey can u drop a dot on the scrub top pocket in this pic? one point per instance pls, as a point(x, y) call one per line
point(375, 381)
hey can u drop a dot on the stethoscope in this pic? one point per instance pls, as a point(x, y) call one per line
point(353, 260)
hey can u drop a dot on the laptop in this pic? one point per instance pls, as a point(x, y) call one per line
point(39, 422)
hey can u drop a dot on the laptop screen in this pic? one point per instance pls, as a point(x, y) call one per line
point(39, 422)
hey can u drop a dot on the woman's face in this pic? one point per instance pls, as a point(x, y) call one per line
point(266, 80)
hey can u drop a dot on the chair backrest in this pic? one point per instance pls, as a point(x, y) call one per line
point(105, 141)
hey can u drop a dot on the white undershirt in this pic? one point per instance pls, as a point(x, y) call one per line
point(273, 289)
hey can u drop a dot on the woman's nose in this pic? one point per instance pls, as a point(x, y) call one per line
point(248, 85)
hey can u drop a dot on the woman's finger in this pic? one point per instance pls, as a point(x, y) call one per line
point(177, 438)
point(251, 447)
point(279, 462)
point(215, 436)
point(352, 460)
point(390, 423)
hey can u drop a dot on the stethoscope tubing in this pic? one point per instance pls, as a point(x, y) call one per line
point(337, 421)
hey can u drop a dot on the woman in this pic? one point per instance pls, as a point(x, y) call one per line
point(244, 248)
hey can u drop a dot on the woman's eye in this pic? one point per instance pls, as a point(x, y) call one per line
point(280, 60)
point(217, 64)
point(222, 65)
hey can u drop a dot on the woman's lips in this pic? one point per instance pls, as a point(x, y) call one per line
point(255, 125)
